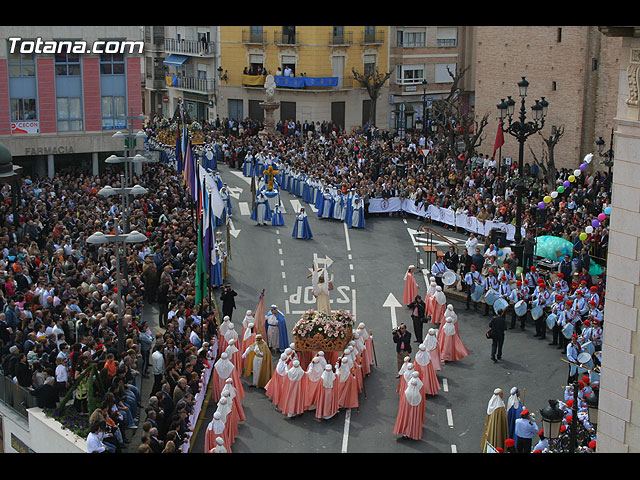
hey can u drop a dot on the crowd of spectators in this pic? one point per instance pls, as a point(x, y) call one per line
point(58, 299)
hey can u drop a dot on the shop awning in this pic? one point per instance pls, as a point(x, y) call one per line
point(175, 60)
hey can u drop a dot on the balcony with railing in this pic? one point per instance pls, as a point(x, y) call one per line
point(344, 38)
point(194, 84)
point(189, 47)
point(373, 38)
point(286, 38)
point(259, 38)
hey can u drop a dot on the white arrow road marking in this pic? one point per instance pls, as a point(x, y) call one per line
point(393, 303)
point(235, 192)
point(232, 229)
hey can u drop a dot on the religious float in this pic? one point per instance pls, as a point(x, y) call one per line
point(329, 332)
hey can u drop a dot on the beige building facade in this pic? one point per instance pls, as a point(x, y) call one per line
point(618, 421)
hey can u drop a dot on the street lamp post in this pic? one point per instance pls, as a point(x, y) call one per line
point(100, 238)
point(521, 129)
point(424, 108)
point(608, 155)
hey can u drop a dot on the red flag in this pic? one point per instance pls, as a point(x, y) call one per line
point(499, 140)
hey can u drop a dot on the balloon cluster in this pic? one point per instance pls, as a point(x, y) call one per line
point(566, 184)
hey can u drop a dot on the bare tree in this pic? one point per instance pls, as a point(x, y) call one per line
point(456, 123)
point(373, 82)
point(547, 162)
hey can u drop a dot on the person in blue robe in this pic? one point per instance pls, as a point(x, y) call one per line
point(319, 196)
point(261, 211)
point(283, 334)
point(216, 268)
point(356, 217)
point(277, 219)
point(326, 205)
point(514, 408)
point(301, 227)
point(247, 166)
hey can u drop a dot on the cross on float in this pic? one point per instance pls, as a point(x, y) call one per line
point(270, 172)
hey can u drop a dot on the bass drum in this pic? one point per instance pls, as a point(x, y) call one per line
point(500, 304)
point(567, 331)
point(536, 312)
point(477, 293)
point(449, 278)
point(551, 320)
point(491, 297)
point(521, 308)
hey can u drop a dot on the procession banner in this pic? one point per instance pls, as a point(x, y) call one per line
point(385, 205)
point(409, 206)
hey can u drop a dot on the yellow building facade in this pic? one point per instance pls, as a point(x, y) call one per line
point(312, 67)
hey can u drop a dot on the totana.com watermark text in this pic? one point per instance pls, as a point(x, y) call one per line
point(40, 46)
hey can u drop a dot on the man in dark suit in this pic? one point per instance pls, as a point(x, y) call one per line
point(452, 259)
point(497, 325)
point(228, 301)
point(402, 339)
point(566, 267)
point(418, 308)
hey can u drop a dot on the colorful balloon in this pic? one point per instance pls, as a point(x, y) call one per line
point(561, 189)
point(583, 236)
point(583, 167)
point(553, 194)
point(566, 183)
point(601, 217)
point(547, 199)
point(595, 223)
point(607, 211)
point(589, 230)
point(541, 205)
point(572, 178)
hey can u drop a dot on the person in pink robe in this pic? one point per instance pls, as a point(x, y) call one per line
point(411, 410)
point(451, 347)
point(313, 384)
point(347, 386)
point(233, 416)
point(234, 355)
point(224, 408)
point(410, 286)
point(292, 400)
point(216, 429)
point(367, 339)
point(248, 338)
point(424, 366)
point(406, 376)
point(327, 403)
point(273, 388)
point(439, 306)
point(237, 404)
point(431, 342)
point(222, 370)
point(429, 298)
point(222, 331)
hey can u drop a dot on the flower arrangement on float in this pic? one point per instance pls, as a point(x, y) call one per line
point(323, 331)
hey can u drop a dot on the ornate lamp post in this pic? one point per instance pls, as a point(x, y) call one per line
point(521, 129)
point(608, 155)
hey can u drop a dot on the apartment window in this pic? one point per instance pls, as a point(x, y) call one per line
point(113, 111)
point(69, 114)
point(559, 34)
point(23, 109)
point(442, 72)
point(22, 85)
point(409, 74)
point(369, 65)
point(447, 37)
point(407, 39)
point(594, 64)
point(21, 64)
point(67, 64)
point(112, 64)
point(554, 85)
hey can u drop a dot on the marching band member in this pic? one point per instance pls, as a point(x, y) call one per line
point(438, 268)
point(580, 305)
point(532, 278)
point(520, 292)
point(490, 282)
point(542, 298)
point(593, 295)
point(471, 279)
point(596, 334)
point(570, 316)
point(558, 308)
point(504, 290)
point(561, 285)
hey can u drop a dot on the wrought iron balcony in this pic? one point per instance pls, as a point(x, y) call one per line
point(189, 47)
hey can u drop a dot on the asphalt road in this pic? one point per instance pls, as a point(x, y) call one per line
point(369, 265)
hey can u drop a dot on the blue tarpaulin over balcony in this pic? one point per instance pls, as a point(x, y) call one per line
point(302, 82)
point(175, 60)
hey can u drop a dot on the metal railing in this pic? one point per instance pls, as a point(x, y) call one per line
point(376, 37)
point(13, 395)
point(205, 85)
point(254, 37)
point(345, 38)
point(189, 47)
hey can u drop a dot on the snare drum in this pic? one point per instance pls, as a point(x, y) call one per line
point(500, 304)
point(586, 361)
point(491, 297)
point(567, 331)
point(476, 295)
point(536, 312)
point(449, 278)
point(551, 320)
point(521, 308)
point(589, 347)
